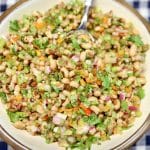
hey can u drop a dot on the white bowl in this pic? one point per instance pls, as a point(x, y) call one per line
point(22, 139)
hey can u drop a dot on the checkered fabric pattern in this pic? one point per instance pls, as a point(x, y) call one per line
point(4, 4)
point(143, 6)
point(143, 143)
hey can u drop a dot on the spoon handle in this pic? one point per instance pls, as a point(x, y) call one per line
point(88, 4)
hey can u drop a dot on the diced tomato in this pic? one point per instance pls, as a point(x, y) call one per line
point(88, 111)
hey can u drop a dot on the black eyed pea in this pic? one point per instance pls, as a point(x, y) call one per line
point(141, 81)
point(53, 64)
point(2, 66)
point(90, 53)
point(65, 80)
point(97, 93)
point(82, 56)
point(86, 45)
point(130, 80)
point(71, 73)
point(116, 104)
point(19, 125)
point(65, 71)
point(95, 109)
point(74, 84)
point(40, 109)
point(133, 50)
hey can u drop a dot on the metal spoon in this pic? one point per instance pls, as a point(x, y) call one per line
point(88, 4)
point(82, 27)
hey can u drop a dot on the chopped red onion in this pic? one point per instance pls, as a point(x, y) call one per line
point(132, 108)
point(92, 130)
point(107, 98)
point(47, 70)
point(95, 61)
point(122, 96)
point(59, 118)
point(76, 58)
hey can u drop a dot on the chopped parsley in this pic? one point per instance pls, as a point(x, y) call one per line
point(16, 116)
point(42, 43)
point(75, 44)
point(3, 97)
point(92, 119)
point(136, 39)
point(14, 26)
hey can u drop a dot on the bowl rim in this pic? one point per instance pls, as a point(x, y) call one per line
point(124, 145)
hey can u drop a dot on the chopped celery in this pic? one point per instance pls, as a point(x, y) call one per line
point(124, 105)
point(2, 43)
point(22, 78)
point(141, 93)
point(3, 97)
point(16, 116)
point(92, 119)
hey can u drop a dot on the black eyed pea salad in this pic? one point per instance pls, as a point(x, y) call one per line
point(69, 89)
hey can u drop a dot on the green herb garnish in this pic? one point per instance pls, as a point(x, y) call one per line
point(92, 119)
point(42, 43)
point(75, 44)
point(136, 39)
point(16, 116)
point(14, 26)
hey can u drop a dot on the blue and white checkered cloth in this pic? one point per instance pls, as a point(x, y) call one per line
point(143, 6)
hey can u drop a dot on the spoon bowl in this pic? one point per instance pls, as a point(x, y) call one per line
point(82, 27)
